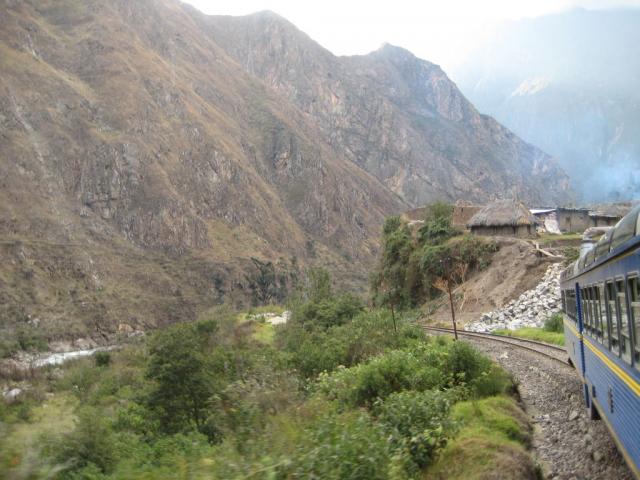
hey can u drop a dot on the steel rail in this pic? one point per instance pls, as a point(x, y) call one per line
point(513, 341)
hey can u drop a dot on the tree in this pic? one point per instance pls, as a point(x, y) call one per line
point(319, 287)
point(182, 382)
point(263, 282)
point(389, 282)
point(437, 223)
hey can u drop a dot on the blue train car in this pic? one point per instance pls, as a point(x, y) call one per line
point(601, 304)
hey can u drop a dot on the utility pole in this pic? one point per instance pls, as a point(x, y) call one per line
point(447, 272)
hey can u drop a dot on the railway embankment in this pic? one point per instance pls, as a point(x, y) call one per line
point(568, 445)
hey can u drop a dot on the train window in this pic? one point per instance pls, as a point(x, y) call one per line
point(584, 296)
point(592, 313)
point(571, 304)
point(603, 315)
point(595, 295)
point(613, 318)
point(634, 291)
point(564, 301)
point(586, 310)
point(583, 261)
point(625, 344)
point(602, 247)
point(625, 229)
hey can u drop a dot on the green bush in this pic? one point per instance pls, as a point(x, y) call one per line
point(418, 368)
point(437, 223)
point(464, 363)
point(471, 369)
point(340, 447)
point(328, 312)
point(554, 323)
point(369, 333)
point(416, 422)
point(437, 365)
point(102, 359)
point(90, 444)
point(410, 264)
point(183, 381)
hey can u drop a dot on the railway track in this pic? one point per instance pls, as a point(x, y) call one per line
point(565, 442)
point(548, 350)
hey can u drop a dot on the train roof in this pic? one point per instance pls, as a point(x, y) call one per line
point(615, 241)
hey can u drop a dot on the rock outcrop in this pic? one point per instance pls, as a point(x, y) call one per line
point(397, 116)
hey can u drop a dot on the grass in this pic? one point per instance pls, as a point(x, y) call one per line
point(264, 333)
point(277, 309)
point(550, 239)
point(21, 442)
point(533, 333)
point(491, 443)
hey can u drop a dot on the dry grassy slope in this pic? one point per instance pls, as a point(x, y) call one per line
point(397, 116)
point(141, 168)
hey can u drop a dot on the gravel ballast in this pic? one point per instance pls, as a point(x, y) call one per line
point(568, 445)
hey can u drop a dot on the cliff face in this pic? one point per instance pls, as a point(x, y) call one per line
point(147, 155)
point(398, 117)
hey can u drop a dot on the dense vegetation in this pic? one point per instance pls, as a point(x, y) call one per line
point(336, 393)
point(341, 391)
point(414, 263)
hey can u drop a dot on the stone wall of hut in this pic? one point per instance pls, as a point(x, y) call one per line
point(573, 220)
point(521, 231)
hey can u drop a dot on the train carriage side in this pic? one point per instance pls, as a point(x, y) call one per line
point(601, 301)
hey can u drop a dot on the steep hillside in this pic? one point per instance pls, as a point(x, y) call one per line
point(147, 157)
point(568, 83)
point(141, 168)
point(395, 115)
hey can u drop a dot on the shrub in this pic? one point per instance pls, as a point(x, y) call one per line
point(437, 223)
point(418, 368)
point(465, 363)
point(328, 312)
point(554, 323)
point(437, 365)
point(102, 359)
point(183, 383)
point(343, 446)
point(369, 333)
point(91, 443)
point(417, 422)
point(470, 368)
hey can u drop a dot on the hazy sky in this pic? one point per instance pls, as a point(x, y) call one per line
point(440, 31)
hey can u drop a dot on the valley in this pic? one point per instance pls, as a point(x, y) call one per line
point(227, 252)
point(153, 157)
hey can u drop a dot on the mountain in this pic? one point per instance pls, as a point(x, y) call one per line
point(398, 117)
point(568, 83)
point(155, 161)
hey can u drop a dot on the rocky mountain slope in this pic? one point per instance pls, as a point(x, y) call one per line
point(148, 170)
point(398, 117)
point(568, 83)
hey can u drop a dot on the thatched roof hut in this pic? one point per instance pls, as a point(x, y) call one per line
point(503, 217)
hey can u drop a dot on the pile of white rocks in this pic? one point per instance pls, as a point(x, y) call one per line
point(530, 309)
point(272, 318)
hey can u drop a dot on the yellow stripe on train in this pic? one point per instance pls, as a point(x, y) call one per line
point(624, 376)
